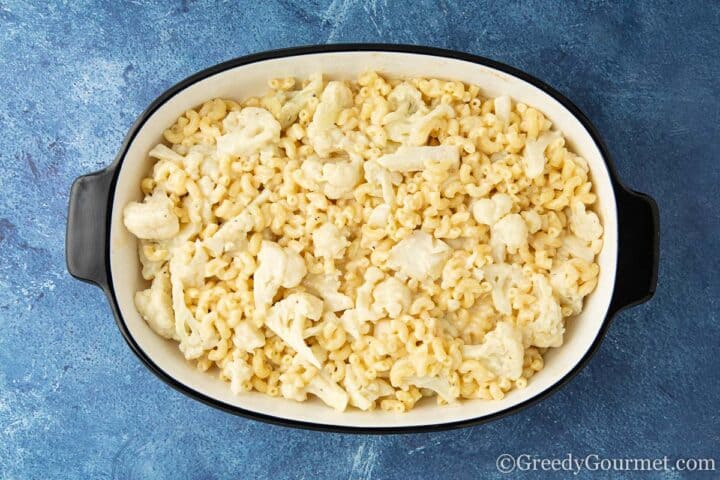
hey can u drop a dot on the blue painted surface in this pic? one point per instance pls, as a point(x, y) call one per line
point(76, 403)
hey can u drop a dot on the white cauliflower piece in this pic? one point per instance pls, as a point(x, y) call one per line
point(232, 235)
point(150, 267)
point(287, 320)
point(392, 296)
point(414, 159)
point(153, 219)
point(510, 231)
point(503, 107)
point(576, 247)
point(277, 267)
point(502, 276)
point(501, 350)
point(299, 99)
point(378, 175)
point(163, 152)
point(336, 178)
point(547, 328)
point(379, 216)
point(363, 397)
point(584, 224)
point(247, 337)
point(324, 136)
point(534, 153)
point(187, 269)
point(440, 385)
point(341, 177)
point(312, 173)
point(402, 375)
point(326, 287)
point(320, 385)
point(487, 211)
point(200, 157)
point(155, 306)
point(353, 320)
point(239, 372)
point(329, 241)
point(411, 122)
point(247, 132)
point(415, 129)
point(188, 264)
point(405, 100)
point(564, 280)
point(533, 220)
point(419, 256)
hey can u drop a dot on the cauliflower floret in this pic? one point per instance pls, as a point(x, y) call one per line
point(503, 107)
point(239, 372)
point(576, 247)
point(247, 132)
point(377, 175)
point(415, 159)
point(200, 160)
point(363, 397)
point(189, 264)
point(232, 235)
point(329, 241)
point(564, 280)
point(153, 219)
point(533, 220)
point(341, 177)
point(502, 276)
point(487, 211)
point(534, 153)
point(415, 129)
point(584, 224)
point(155, 306)
point(336, 178)
point(379, 216)
point(392, 296)
point(501, 350)
point(277, 267)
point(187, 269)
point(325, 137)
point(440, 385)
point(510, 231)
point(405, 100)
point(163, 152)
point(403, 374)
point(411, 122)
point(353, 320)
point(299, 99)
point(150, 266)
point(287, 320)
point(320, 385)
point(326, 287)
point(419, 256)
point(248, 337)
point(547, 328)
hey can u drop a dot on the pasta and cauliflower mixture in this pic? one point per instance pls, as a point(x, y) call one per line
point(369, 243)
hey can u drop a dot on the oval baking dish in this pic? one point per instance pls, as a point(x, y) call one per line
point(101, 251)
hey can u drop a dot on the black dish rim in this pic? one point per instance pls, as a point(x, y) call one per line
point(114, 170)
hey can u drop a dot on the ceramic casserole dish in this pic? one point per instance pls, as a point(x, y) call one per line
point(102, 251)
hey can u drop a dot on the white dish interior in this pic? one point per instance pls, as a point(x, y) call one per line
point(251, 79)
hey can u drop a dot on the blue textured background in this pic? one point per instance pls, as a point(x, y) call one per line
point(76, 403)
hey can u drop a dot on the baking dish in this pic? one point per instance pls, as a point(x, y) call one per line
point(101, 251)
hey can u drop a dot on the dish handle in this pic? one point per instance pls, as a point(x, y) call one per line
point(638, 249)
point(86, 235)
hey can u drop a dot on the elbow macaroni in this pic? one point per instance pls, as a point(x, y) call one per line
point(369, 243)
